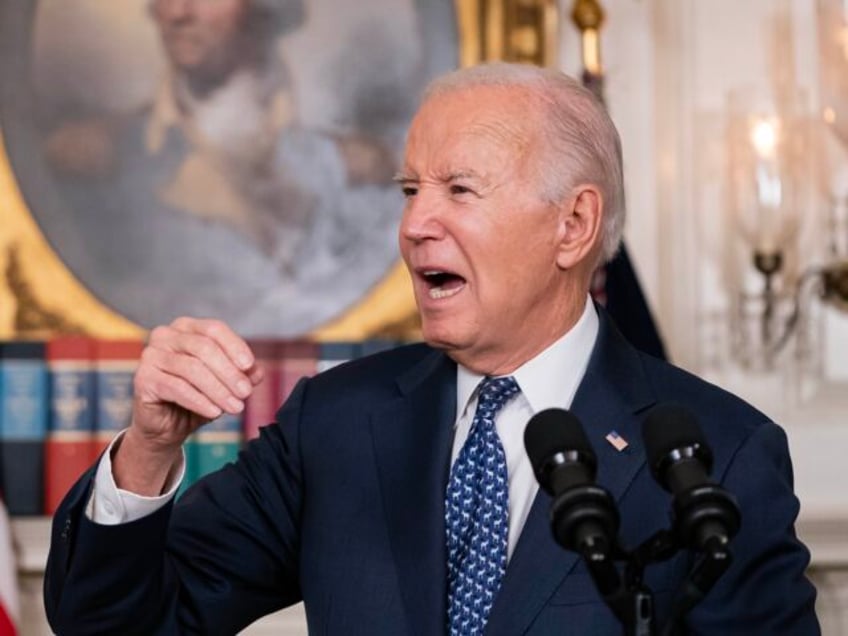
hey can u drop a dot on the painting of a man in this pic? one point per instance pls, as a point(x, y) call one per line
point(237, 171)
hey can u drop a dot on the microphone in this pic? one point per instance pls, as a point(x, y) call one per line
point(583, 515)
point(705, 515)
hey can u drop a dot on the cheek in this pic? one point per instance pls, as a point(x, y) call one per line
point(526, 262)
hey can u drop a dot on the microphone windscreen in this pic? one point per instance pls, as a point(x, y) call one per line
point(554, 431)
point(669, 427)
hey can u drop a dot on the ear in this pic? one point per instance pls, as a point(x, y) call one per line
point(582, 217)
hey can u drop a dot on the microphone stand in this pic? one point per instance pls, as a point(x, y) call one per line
point(584, 519)
point(630, 599)
point(709, 567)
point(628, 596)
point(632, 603)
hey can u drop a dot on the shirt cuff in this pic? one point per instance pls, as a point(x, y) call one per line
point(110, 505)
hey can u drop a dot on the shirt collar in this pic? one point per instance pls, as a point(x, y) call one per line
point(549, 380)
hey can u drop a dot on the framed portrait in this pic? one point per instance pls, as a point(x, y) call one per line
point(221, 158)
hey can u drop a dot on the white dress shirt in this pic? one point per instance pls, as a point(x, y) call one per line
point(110, 505)
point(549, 380)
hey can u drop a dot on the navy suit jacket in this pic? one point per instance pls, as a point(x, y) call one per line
point(340, 503)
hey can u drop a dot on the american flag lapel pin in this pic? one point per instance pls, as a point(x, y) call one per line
point(617, 441)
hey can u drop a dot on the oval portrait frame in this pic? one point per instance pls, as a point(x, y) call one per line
point(40, 297)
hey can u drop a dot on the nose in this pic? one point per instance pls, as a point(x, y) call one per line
point(422, 218)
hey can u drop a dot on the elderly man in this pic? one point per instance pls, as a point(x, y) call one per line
point(393, 494)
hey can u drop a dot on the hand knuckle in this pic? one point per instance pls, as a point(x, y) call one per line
point(182, 322)
point(205, 348)
point(215, 327)
point(157, 334)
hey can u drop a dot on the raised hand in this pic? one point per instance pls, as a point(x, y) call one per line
point(191, 372)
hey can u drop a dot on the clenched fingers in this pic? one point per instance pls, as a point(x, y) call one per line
point(208, 356)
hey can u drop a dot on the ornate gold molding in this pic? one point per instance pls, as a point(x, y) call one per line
point(524, 31)
point(31, 318)
point(39, 296)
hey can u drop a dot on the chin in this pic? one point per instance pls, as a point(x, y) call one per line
point(447, 334)
point(439, 334)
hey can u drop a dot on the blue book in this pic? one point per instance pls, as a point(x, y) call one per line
point(376, 345)
point(115, 364)
point(23, 425)
point(331, 354)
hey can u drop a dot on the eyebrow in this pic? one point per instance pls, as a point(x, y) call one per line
point(462, 174)
point(404, 177)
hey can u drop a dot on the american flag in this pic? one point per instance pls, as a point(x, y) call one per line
point(617, 441)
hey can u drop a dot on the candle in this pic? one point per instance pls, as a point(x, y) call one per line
point(765, 138)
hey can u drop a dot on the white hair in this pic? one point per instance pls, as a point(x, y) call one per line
point(581, 142)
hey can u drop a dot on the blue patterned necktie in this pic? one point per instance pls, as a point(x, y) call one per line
point(477, 514)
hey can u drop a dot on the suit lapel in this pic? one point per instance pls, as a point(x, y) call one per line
point(610, 397)
point(412, 442)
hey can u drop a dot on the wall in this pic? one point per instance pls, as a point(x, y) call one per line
point(670, 65)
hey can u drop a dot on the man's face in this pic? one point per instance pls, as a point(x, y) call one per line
point(480, 244)
point(201, 36)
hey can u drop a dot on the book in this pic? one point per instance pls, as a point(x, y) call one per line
point(376, 345)
point(299, 360)
point(331, 354)
point(261, 407)
point(115, 363)
point(23, 425)
point(215, 444)
point(191, 473)
point(69, 447)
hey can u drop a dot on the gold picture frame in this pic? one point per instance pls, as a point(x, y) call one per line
point(40, 297)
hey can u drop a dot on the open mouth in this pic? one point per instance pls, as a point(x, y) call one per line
point(442, 284)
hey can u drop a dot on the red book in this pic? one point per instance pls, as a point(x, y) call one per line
point(69, 448)
point(115, 363)
point(299, 360)
point(261, 407)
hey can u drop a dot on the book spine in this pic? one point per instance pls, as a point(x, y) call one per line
point(261, 407)
point(216, 444)
point(376, 345)
point(69, 447)
point(115, 364)
point(23, 425)
point(191, 473)
point(331, 354)
point(299, 360)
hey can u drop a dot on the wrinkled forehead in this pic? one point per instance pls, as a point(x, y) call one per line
point(487, 118)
